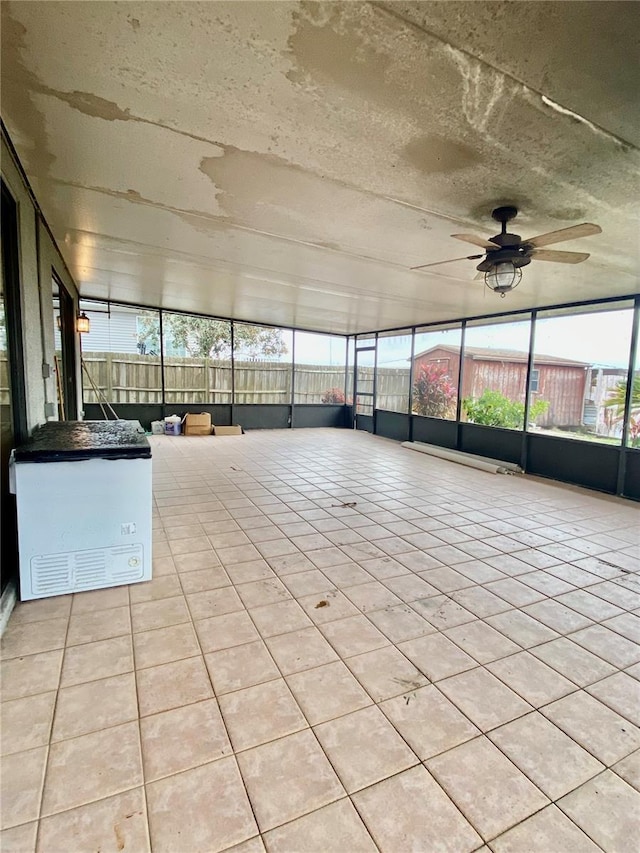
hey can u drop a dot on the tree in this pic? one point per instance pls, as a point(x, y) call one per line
point(615, 404)
point(434, 394)
point(494, 409)
point(204, 338)
point(333, 395)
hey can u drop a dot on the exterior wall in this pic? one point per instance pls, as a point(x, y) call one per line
point(563, 387)
point(440, 356)
point(38, 257)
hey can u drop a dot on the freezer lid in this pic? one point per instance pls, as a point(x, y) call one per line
point(69, 441)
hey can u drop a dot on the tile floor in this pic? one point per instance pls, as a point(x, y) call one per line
point(346, 647)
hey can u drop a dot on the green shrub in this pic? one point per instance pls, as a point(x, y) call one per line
point(494, 409)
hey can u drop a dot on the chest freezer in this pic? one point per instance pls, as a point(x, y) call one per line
point(84, 501)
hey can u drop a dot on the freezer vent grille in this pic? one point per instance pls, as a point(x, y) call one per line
point(54, 574)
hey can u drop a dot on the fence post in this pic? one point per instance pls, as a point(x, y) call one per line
point(110, 377)
point(207, 383)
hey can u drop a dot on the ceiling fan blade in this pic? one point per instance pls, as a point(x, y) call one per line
point(559, 257)
point(572, 233)
point(477, 241)
point(452, 261)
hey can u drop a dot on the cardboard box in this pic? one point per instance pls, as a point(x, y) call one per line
point(228, 430)
point(197, 424)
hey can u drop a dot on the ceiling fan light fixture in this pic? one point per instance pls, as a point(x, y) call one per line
point(503, 277)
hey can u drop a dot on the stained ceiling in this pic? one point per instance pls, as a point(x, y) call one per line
point(287, 162)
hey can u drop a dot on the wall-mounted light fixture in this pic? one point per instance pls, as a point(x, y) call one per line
point(83, 324)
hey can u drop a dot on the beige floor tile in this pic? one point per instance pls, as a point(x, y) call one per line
point(95, 705)
point(621, 693)
point(557, 616)
point(183, 531)
point(364, 748)
point(280, 618)
point(553, 761)
point(253, 570)
point(26, 723)
point(222, 632)
point(371, 596)
point(164, 645)
point(182, 738)
point(410, 587)
point(91, 767)
point(288, 778)
point(447, 579)
point(258, 593)
point(100, 599)
point(590, 605)
point(197, 561)
point(532, 679)
point(629, 769)
point(627, 624)
point(57, 607)
point(328, 606)
point(238, 554)
point(489, 790)
point(608, 810)
point(30, 639)
point(115, 823)
point(604, 733)
point(171, 685)
point(163, 566)
point(521, 628)
point(428, 721)
point(572, 661)
point(165, 586)
point(101, 625)
point(31, 674)
point(261, 713)
point(19, 839)
point(385, 673)
point(614, 648)
point(202, 580)
point(481, 641)
point(436, 656)
point(400, 623)
point(411, 812)
point(300, 650)
point(240, 666)
point(548, 830)
point(384, 567)
point(307, 583)
point(159, 614)
point(483, 698)
point(205, 808)
point(191, 545)
point(326, 692)
point(92, 661)
point(480, 601)
point(214, 602)
point(336, 827)
point(346, 574)
point(443, 612)
point(21, 786)
point(353, 636)
point(252, 845)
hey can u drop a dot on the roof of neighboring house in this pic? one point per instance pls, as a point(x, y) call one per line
point(488, 354)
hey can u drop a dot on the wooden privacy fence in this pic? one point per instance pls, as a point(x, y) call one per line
point(127, 378)
point(137, 379)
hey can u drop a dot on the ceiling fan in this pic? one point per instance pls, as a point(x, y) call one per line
point(506, 254)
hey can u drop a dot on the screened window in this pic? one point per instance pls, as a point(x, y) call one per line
point(121, 354)
point(494, 374)
point(262, 364)
point(393, 371)
point(582, 361)
point(436, 368)
point(197, 359)
point(320, 364)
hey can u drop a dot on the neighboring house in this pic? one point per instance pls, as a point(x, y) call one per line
point(559, 381)
point(601, 381)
